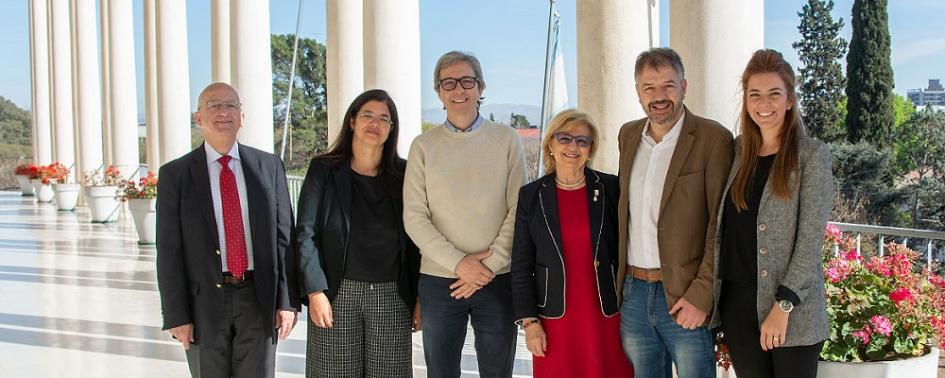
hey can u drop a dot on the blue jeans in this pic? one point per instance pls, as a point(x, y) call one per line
point(444, 326)
point(653, 341)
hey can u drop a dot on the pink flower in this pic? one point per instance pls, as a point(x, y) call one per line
point(863, 334)
point(834, 275)
point(878, 266)
point(852, 255)
point(833, 234)
point(901, 294)
point(881, 325)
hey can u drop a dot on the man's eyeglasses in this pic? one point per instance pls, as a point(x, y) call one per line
point(380, 119)
point(467, 82)
point(581, 140)
point(217, 106)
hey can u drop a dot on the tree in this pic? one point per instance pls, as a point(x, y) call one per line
point(309, 119)
point(866, 181)
point(919, 153)
point(519, 121)
point(869, 75)
point(822, 81)
point(492, 117)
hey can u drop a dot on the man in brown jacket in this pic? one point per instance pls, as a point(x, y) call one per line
point(673, 167)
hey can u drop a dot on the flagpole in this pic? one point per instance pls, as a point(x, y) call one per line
point(544, 92)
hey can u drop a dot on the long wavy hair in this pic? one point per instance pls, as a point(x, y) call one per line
point(767, 61)
point(342, 149)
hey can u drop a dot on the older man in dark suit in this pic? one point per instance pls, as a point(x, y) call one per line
point(226, 273)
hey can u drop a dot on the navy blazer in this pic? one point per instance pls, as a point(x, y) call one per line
point(538, 277)
point(189, 267)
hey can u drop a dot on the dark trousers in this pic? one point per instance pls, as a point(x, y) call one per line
point(242, 347)
point(739, 315)
point(444, 327)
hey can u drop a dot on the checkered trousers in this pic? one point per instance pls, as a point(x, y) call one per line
point(370, 334)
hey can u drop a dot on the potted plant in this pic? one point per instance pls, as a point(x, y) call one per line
point(23, 173)
point(67, 194)
point(141, 197)
point(42, 182)
point(101, 193)
point(887, 317)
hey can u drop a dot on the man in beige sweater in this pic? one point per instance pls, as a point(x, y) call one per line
point(460, 193)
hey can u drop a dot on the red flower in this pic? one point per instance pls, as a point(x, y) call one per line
point(901, 294)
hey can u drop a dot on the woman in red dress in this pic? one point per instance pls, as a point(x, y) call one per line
point(564, 258)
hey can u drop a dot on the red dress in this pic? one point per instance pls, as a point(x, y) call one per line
point(583, 342)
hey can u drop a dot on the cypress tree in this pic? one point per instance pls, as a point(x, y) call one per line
point(869, 75)
point(822, 83)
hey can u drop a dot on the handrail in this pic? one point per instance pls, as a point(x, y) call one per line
point(882, 232)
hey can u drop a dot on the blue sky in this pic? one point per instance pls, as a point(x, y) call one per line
point(507, 35)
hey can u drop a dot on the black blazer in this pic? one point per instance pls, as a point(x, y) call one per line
point(537, 263)
point(323, 229)
point(189, 269)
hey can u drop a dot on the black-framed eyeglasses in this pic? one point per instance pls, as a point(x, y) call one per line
point(582, 141)
point(467, 82)
point(371, 117)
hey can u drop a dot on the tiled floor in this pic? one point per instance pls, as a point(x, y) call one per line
point(80, 300)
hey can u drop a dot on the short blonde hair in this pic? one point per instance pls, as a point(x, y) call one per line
point(566, 121)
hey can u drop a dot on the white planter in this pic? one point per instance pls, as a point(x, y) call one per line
point(44, 192)
point(67, 195)
point(142, 210)
point(919, 367)
point(103, 204)
point(25, 187)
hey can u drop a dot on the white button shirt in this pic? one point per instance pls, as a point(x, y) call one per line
point(647, 177)
point(214, 167)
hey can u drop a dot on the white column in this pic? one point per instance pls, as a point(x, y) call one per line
point(392, 59)
point(251, 70)
point(106, 83)
point(123, 84)
point(87, 87)
point(173, 79)
point(610, 35)
point(39, 74)
point(345, 60)
point(220, 40)
point(78, 166)
point(61, 42)
point(153, 139)
point(715, 40)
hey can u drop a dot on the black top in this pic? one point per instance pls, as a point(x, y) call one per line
point(373, 247)
point(739, 259)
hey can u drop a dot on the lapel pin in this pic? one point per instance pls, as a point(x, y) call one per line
point(596, 192)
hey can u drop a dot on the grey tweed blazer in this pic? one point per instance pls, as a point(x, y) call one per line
point(790, 241)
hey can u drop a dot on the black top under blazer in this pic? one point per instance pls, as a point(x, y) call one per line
point(537, 263)
point(323, 225)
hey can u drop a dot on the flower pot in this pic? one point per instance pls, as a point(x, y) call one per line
point(67, 195)
point(103, 204)
point(25, 187)
point(44, 192)
point(143, 213)
point(916, 367)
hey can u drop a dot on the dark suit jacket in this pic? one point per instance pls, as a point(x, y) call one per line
point(689, 206)
point(189, 269)
point(538, 282)
point(324, 224)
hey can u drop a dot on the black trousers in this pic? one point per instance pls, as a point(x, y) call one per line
point(739, 315)
point(243, 347)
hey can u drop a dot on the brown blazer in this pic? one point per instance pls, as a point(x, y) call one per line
point(691, 197)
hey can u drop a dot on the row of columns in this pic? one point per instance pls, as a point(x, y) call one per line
point(84, 99)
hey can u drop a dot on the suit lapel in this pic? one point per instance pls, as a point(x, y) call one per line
point(595, 197)
point(252, 176)
point(549, 210)
point(628, 155)
point(200, 174)
point(680, 154)
point(343, 189)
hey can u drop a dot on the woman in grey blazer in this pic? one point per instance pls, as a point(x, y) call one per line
point(770, 283)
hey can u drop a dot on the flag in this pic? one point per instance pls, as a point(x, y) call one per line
point(556, 89)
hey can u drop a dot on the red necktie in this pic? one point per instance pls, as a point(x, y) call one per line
point(232, 220)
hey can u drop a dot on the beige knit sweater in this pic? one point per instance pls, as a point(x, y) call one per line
point(460, 195)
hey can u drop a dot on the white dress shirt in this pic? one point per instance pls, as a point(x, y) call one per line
point(647, 177)
point(214, 167)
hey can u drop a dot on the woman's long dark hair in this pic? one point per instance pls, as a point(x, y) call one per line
point(342, 150)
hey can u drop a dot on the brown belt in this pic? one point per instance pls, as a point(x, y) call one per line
point(648, 275)
point(230, 279)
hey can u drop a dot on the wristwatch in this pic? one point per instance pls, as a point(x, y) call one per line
point(786, 306)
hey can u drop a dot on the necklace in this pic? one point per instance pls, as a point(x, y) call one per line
point(570, 186)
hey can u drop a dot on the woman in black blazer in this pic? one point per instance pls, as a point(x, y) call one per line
point(564, 258)
point(359, 269)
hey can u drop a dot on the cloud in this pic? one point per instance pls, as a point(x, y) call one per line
point(918, 49)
